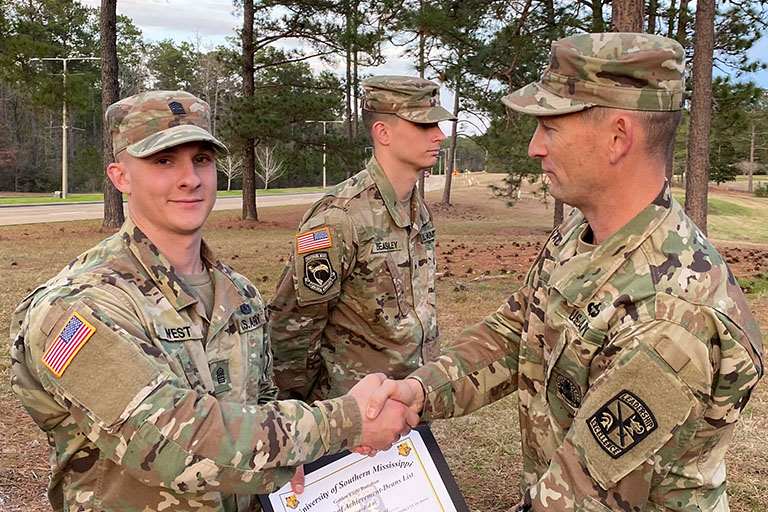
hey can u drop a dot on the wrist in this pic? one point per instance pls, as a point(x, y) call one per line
point(418, 394)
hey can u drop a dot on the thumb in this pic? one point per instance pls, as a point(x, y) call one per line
point(388, 389)
point(297, 482)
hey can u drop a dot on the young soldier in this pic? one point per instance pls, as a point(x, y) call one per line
point(146, 360)
point(630, 343)
point(358, 293)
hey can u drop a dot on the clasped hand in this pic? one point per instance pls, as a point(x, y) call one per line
point(388, 408)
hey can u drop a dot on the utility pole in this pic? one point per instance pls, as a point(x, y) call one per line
point(64, 60)
point(324, 123)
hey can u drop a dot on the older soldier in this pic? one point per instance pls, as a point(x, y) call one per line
point(146, 361)
point(358, 293)
point(630, 344)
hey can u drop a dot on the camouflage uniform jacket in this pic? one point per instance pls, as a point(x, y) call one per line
point(360, 298)
point(632, 362)
point(150, 414)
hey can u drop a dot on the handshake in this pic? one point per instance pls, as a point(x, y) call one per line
point(389, 409)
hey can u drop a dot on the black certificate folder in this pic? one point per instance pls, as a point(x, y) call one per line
point(411, 476)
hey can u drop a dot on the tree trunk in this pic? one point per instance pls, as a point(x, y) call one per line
point(701, 103)
point(628, 15)
point(452, 151)
point(348, 85)
point(653, 6)
point(671, 20)
point(249, 175)
point(598, 24)
point(356, 103)
point(682, 22)
point(422, 44)
point(558, 217)
point(751, 157)
point(669, 171)
point(110, 92)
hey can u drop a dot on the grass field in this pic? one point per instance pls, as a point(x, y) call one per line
point(484, 248)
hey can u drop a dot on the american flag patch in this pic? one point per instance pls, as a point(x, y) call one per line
point(69, 342)
point(313, 240)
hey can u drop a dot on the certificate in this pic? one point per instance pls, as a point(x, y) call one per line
point(412, 475)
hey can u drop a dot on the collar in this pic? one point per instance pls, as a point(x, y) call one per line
point(578, 278)
point(169, 282)
point(400, 217)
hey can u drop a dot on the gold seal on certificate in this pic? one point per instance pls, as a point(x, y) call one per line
point(412, 475)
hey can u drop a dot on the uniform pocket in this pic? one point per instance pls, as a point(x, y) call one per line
point(568, 377)
point(590, 504)
point(400, 281)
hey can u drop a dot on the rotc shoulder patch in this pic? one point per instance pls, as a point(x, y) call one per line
point(313, 240)
point(621, 423)
point(67, 344)
point(319, 275)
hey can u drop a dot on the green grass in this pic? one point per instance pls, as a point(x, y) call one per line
point(80, 198)
point(721, 207)
point(754, 285)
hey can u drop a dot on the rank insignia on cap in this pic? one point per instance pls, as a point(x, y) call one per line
point(177, 108)
point(621, 423)
point(319, 275)
point(314, 240)
point(68, 343)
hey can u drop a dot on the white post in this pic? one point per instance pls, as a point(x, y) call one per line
point(324, 124)
point(64, 187)
point(64, 60)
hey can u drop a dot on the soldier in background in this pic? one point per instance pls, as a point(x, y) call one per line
point(630, 344)
point(358, 292)
point(147, 361)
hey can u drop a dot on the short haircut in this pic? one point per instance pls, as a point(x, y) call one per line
point(659, 127)
point(370, 118)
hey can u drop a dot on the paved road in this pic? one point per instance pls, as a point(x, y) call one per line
point(32, 214)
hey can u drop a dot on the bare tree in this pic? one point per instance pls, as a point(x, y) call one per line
point(231, 167)
point(110, 90)
point(697, 180)
point(271, 167)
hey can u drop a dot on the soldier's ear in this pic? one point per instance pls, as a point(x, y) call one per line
point(381, 132)
point(622, 135)
point(118, 175)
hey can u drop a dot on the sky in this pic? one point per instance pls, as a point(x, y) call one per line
point(215, 20)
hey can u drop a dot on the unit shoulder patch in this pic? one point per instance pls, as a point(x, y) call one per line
point(621, 423)
point(319, 274)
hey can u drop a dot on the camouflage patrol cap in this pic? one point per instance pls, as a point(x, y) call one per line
point(413, 99)
point(152, 121)
point(620, 70)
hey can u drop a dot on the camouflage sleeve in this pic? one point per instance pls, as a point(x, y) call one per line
point(480, 367)
point(647, 420)
point(307, 291)
point(157, 428)
point(266, 384)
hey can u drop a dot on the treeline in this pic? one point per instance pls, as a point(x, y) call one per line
point(480, 49)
